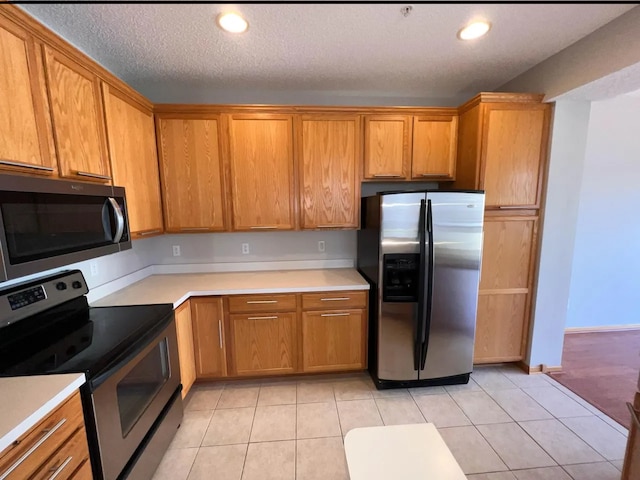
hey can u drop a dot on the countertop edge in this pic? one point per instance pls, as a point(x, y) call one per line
point(41, 412)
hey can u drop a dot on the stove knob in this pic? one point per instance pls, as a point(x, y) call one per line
point(76, 284)
point(61, 286)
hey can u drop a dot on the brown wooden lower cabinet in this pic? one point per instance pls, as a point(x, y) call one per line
point(500, 327)
point(209, 337)
point(184, 331)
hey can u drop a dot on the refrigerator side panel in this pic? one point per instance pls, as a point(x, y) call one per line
point(397, 286)
point(457, 236)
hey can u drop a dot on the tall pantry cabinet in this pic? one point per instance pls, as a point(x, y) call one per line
point(502, 149)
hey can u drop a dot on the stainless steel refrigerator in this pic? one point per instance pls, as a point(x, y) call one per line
point(421, 253)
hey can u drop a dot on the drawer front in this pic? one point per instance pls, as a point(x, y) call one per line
point(30, 451)
point(63, 464)
point(261, 303)
point(334, 300)
point(84, 472)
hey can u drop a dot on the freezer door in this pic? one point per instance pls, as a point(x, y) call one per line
point(397, 286)
point(457, 219)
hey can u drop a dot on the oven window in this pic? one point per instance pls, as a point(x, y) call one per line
point(137, 390)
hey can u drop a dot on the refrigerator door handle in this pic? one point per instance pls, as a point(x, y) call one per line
point(426, 322)
point(421, 288)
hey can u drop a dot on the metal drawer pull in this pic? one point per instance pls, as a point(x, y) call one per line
point(262, 228)
point(220, 333)
point(334, 299)
point(335, 314)
point(93, 175)
point(47, 433)
point(149, 232)
point(327, 226)
point(194, 229)
point(256, 318)
point(434, 174)
point(382, 175)
point(262, 301)
point(634, 415)
point(11, 163)
point(57, 471)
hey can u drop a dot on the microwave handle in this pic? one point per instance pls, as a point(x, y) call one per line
point(119, 219)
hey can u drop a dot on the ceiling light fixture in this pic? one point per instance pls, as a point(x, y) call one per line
point(232, 22)
point(474, 30)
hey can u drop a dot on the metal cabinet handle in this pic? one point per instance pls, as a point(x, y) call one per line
point(346, 314)
point(92, 175)
point(327, 226)
point(150, 232)
point(434, 174)
point(47, 433)
point(259, 318)
point(56, 471)
point(634, 415)
point(194, 229)
point(220, 333)
point(334, 299)
point(262, 301)
point(257, 227)
point(382, 175)
point(11, 163)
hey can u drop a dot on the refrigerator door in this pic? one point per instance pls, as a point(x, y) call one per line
point(456, 219)
point(398, 286)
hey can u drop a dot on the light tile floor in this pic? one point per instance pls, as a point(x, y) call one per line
point(503, 425)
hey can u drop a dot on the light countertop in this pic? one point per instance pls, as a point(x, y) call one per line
point(176, 288)
point(27, 400)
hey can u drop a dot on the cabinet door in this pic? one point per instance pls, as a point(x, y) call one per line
point(191, 173)
point(329, 155)
point(25, 132)
point(209, 337)
point(184, 330)
point(78, 119)
point(262, 179)
point(264, 343)
point(434, 147)
point(134, 162)
point(505, 287)
point(387, 147)
point(514, 149)
point(333, 340)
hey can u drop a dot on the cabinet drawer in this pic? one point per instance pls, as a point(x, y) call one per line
point(29, 452)
point(66, 460)
point(333, 300)
point(261, 303)
point(84, 472)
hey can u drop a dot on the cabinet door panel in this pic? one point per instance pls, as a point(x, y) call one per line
point(208, 335)
point(261, 158)
point(500, 328)
point(387, 146)
point(333, 340)
point(434, 147)
point(264, 344)
point(78, 119)
point(25, 134)
point(514, 147)
point(192, 174)
point(329, 157)
point(134, 162)
point(184, 331)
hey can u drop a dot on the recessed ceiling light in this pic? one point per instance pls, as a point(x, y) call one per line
point(474, 30)
point(232, 22)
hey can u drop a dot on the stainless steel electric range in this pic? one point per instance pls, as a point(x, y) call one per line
point(131, 401)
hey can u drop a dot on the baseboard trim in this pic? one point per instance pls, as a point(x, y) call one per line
point(539, 368)
point(604, 328)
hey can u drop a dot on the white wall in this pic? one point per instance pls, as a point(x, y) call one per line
point(605, 279)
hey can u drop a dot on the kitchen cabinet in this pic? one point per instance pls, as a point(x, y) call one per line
point(134, 162)
point(186, 351)
point(26, 142)
point(209, 337)
point(78, 119)
point(192, 174)
point(262, 171)
point(506, 284)
point(434, 147)
point(329, 158)
point(387, 147)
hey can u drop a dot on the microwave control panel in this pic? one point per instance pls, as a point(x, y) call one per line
point(26, 297)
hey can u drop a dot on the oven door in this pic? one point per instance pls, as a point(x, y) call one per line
point(130, 400)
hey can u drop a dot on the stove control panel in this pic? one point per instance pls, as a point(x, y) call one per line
point(26, 297)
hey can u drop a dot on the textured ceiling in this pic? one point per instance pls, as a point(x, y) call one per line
point(175, 52)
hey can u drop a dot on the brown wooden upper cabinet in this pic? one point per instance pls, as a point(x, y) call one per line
point(404, 147)
point(262, 171)
point(26, 143)
point(78, 119)
point(191, 172)
point(134, 161)
point(328, 160)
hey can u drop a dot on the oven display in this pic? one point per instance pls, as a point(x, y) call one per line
point(26, 297)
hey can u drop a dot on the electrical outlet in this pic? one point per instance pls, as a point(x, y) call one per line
point(321, 246)
point(176, 251)
point(94, 268)
point(245, 248)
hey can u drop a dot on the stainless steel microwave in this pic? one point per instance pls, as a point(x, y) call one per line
point(47, 223)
